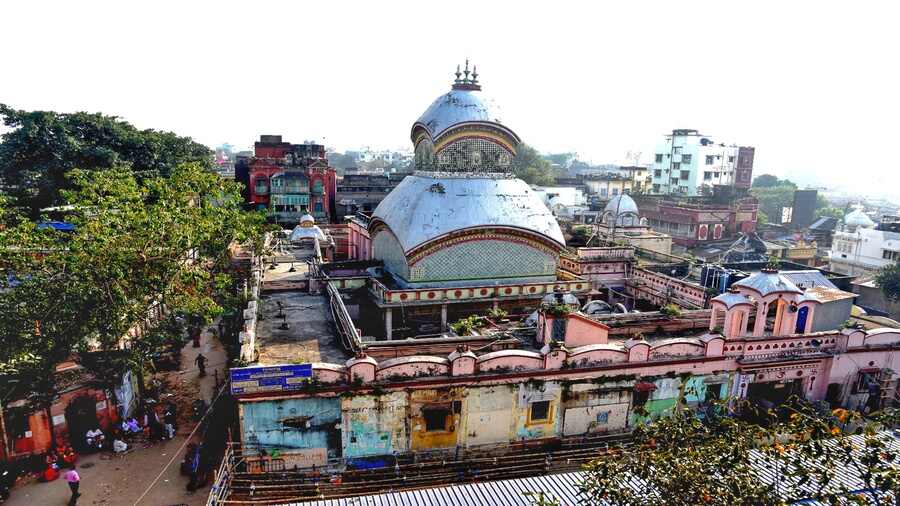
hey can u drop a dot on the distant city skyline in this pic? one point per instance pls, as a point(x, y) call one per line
point(811, 85)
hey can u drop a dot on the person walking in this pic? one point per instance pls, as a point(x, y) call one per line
point(201, 364)
point(74, 482)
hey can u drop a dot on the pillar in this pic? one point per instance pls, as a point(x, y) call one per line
point(388, 322)
point(712, 317)
point(443, 317)
point(759, 327)
point(809, 319)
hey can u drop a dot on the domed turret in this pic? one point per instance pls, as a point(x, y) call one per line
point(461, 132)
point(858, 219)
point(621, 210)
point(463, 218)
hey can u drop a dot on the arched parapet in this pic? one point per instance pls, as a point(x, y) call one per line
point(509, 360)
point(325, 372)
point(597, 354)
point(412, 367)
point(676, 348)
point(362, 368)
point(881, 337)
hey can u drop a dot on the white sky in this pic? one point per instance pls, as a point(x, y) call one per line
point(813, 85)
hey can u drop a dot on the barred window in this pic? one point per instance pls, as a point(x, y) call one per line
point(474, 155)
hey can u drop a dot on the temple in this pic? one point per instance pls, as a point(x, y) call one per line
point(462, 327)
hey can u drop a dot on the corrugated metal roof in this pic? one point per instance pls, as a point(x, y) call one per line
point(564, 487)
point(808, 278)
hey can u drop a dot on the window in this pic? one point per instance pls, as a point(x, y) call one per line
point(261, 186)
point(674, 180)
point(710, 159)
point(707, 176)
point(865, 382)
point(657, 173)
point(659, 157)
point(713, 392)
point(676, 166)
point(436, 419)
point(730, 159)
point(656, 188)
point(686, 158)
point(715, 174)
point(889, 255)
point(540, 411)
point(685, 174)
point(615, 191)
point(603, 192)
point(639, 398)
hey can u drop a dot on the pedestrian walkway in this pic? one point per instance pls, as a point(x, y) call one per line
point(113, 480)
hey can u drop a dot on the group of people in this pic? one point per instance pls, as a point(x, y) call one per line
point(61, 457)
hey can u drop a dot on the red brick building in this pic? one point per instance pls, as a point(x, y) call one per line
point(290, 179)
point(692, 221)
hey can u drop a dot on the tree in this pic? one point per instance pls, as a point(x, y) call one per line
point(43, 146)
point(137, 243)
point(531, 167)
point(772, 199)
point(765, 181)
point(888, 279)
point(686, 460)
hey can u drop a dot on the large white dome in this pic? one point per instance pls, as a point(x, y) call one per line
point(423, 208)
point(857, 218)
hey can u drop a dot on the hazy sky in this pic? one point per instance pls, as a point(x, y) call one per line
point(813, 85)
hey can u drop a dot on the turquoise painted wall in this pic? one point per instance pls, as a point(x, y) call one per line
point(283, 424)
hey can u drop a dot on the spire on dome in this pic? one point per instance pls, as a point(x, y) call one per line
point(467, 83)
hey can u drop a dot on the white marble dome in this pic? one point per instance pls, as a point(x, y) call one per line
point(857, 218)
point(622, 210)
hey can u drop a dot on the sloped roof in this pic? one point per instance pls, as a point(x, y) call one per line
point(768, 282)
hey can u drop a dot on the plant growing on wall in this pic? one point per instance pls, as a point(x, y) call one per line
point(684, 460)
point(557, 309)
point(670, 310)
point(466, 326)
point(497, 313)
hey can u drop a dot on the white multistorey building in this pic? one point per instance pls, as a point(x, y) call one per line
point(859, 248)
point(686, 161)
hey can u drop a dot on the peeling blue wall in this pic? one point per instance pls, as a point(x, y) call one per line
point(264, 424)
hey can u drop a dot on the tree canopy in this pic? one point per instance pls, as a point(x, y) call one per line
point(718, 460)
point(137, 243)
point(888, 279)
point(43, 146)
point(530, 166)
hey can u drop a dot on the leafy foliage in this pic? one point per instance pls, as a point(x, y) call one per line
point(671, 310)
point(42, 147)
point(888, 279)
point(137, 243)
point(683, 460)
point(531, 167)
point(465, 326)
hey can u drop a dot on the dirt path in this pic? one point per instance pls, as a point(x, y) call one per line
point(114, 480)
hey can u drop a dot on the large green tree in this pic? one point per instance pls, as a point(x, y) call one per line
point(41, 147)
point(137, 243)
point(530, 166)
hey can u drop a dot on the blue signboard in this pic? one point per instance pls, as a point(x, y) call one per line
point(263, 379)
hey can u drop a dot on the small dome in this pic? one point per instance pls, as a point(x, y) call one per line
point(306, 218)
point(623, 210)
point(455, 107)
point(857, 218)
